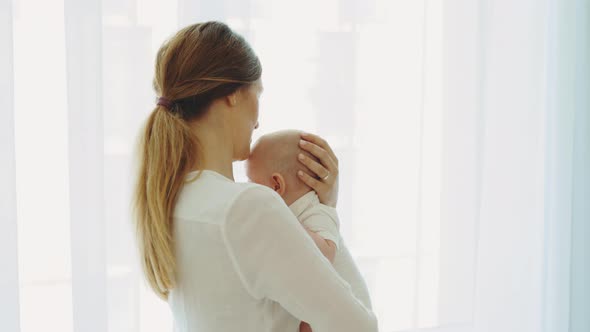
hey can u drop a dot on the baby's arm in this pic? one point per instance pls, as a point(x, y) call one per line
point(322, 225)
point(327, 247)
point(327, 225)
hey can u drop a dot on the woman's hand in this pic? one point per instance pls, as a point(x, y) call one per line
point(326, 170)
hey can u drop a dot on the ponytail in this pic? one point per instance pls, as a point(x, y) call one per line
point(166, 155)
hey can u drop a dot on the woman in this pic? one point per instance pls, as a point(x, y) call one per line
point(228, 256)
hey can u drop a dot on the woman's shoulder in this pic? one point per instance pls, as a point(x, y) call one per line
point(254, 195)
point(210, 196)
point(257, 204)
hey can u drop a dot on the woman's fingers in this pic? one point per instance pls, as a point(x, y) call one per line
point(315, 139)
point(314, 166)
point(308, 180)
point(323, 155)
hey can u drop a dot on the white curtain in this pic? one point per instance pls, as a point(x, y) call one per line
point(463, 130)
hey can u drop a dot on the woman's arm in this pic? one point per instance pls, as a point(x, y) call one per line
point(269, 247)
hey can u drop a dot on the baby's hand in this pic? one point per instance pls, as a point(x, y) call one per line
point(327, 247)
point(304, 327)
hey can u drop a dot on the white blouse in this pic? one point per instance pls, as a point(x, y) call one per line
point(244, 263)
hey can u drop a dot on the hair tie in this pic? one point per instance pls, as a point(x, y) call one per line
point(165, 102)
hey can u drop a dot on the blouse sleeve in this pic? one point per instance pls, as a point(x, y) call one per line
point(276, 259)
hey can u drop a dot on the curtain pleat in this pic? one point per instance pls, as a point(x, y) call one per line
point(83, 28)
point(9, 290)
point(580, 246)
point(566, 291)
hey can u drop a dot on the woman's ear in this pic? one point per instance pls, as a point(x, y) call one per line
point(232, 99)
point(278, 184)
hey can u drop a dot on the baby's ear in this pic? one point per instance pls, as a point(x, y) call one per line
point(279, 184)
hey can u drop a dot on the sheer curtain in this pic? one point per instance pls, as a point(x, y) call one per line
point(462, 126)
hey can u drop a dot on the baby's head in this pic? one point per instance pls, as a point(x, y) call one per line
point(273, 163)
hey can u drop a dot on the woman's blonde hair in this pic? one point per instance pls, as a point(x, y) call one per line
point(199, 64)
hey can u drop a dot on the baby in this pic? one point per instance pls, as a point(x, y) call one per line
point(273, 163)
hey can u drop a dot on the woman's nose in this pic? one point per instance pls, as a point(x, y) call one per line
point(257, 124)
